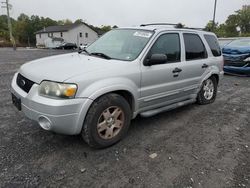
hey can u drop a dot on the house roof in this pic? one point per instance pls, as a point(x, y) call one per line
point(61, 28)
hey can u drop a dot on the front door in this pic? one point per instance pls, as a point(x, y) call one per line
point(161, 84)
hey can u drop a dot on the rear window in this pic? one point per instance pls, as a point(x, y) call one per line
point(213, 44)
point(194, 46)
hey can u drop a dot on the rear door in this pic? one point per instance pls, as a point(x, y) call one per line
point(196, 60)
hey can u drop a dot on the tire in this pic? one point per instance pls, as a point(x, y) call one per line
point(207, 95)
point(107, 121)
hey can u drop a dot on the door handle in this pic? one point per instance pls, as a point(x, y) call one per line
point(204, 66)
point(177, 70)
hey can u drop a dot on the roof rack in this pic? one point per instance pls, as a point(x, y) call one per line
point(178, 25)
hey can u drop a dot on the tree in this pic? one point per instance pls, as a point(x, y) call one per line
point(237, 24)
point(78, 21)
point(231, 26)
point(4, 34)
point(209, 26)
point(106, 28)
point(64, 22)
point(244, 19)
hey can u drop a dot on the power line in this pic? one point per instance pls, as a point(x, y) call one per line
point(8, 7)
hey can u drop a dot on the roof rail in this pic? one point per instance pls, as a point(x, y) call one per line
point(195, 28)
point(179, 25)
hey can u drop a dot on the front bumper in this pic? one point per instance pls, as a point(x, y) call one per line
point(64, 116)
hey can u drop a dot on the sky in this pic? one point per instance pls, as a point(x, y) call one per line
point(192, 13)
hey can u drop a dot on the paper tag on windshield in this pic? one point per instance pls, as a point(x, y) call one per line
point(142, 34)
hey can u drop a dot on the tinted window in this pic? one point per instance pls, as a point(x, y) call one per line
point(194, 46)
point(168, 44)
point(213, 44)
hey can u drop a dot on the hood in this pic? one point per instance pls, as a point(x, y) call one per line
point(62, 67)
point(236, 50)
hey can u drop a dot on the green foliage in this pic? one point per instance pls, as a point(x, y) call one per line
point(106, 28)
point(237, 24)
point(24, 27)
point(64, 22)
point(4, 32)
point(79, 21)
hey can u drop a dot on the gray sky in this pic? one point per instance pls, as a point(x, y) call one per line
point(193, 13)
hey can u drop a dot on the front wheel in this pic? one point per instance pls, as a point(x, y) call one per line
point(107, 121)
point(208, 91)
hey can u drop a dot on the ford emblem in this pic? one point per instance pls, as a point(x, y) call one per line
point(22, 82)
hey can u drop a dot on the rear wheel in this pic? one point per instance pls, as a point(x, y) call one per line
point(107, 121)
point(208, 91)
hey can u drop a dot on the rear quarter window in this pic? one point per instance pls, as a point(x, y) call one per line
point(213, 44)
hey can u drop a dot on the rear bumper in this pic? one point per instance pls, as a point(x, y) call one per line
point(61, 116)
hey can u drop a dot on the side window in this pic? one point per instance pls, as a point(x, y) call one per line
point(168, 44)
point(194, 46)
point(213, 44)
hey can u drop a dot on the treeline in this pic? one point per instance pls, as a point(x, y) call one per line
point(236, 25)
point(24, 28)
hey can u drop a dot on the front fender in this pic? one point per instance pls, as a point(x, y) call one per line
point(101, 87)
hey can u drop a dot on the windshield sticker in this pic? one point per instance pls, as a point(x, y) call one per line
point(143, 34)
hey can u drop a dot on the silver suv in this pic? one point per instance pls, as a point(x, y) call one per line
point(129, 71)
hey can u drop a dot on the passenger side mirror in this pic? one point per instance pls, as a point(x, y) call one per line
point(155, 59)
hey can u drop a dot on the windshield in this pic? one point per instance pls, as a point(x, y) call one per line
point(122, 44)
point(240, 43)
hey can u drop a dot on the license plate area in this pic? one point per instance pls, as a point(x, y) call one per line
point(16, 101)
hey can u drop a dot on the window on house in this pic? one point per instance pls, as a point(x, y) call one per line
point(86, 35)
point(48, 35)
point(61, 34)
point(52, 34)
point(81, 35)
point(40, 35)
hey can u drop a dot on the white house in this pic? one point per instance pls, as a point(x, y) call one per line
point(78, 33)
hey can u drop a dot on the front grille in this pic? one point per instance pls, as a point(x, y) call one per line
point(24, 83)
point(235, 63)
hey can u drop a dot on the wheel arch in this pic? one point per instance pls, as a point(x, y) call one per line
point(128, 92)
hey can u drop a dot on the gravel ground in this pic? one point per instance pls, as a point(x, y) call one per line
point(196, 146)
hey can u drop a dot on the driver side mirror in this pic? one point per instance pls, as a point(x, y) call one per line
point(155, 59)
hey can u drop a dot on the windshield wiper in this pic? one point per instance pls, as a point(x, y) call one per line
point(101, 55)
point(83, 50)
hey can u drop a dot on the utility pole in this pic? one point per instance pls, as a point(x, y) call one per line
point(12, 39)
point(215, 6)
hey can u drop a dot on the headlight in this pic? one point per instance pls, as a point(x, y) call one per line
point(247, 59)
point(57, 90)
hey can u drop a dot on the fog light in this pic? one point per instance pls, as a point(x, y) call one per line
point(44, 122)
